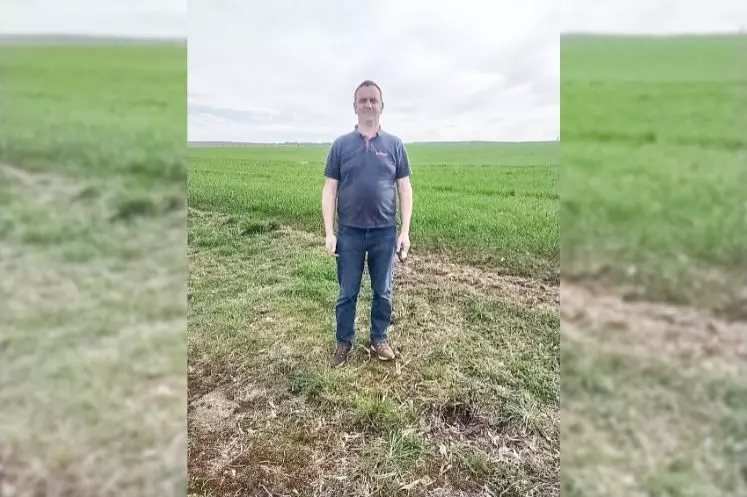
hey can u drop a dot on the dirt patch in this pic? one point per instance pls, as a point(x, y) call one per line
point(45, 189)
point(22, 176)
point(456, 493)
point(204, 377)
point(719, 292)
point(213, 412)
point(427, 271)
point(246, 460)
point(456, 421)
point(651, 330)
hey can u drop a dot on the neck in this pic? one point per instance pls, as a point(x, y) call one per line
point(368, 128)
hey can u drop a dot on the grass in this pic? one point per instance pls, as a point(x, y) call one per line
point(467, 206)
point(92, 299)
point(653, 273)
point(96, 110)
point(654, 165)
point(471, 404)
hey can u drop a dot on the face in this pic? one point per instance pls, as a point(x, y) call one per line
point(368, 104)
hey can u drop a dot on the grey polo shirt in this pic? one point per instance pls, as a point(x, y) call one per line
point(367, 172)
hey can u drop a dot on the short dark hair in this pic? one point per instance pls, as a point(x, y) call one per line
point(368, 82)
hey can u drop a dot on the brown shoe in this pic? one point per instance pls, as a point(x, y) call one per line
point(382, 350)
point(340, 356)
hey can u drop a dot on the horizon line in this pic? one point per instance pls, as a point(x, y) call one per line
point(89, 38)
point(674, 34)
point(171, 38)
point(294, 142)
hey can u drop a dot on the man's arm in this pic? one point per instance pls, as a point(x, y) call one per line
point(405, 189)
point(405, 199)
point(329, 199)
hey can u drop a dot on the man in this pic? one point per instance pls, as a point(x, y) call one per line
point(365, 169)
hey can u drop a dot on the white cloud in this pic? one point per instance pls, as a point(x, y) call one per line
point(286, 70)
point(131, 18)
point(660, 17)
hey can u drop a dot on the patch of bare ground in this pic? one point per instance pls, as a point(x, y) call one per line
point(651, 330)
point(430, 273)
point(712, 291)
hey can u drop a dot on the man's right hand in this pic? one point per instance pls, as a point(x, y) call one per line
point(331, 245)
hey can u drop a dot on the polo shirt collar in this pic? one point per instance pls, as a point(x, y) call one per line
point(379, 131)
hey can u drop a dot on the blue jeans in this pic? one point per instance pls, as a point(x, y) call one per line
point(352, 246)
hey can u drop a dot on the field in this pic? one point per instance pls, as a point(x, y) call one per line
point(471, 405)
point(468, 209)
point(92, 257)
point(653, 219)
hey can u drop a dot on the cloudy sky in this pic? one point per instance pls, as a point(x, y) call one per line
point(450, 70)
point(130, 18)
point(285, 70)
point(660, 17)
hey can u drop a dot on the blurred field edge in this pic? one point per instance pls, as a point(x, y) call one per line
point(653, 268)
point(93, 265)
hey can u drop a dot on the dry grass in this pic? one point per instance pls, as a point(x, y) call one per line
point(92, 309)
point(470, 406)
point(656, 398)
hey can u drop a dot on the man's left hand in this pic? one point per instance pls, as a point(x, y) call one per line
point(403, 243)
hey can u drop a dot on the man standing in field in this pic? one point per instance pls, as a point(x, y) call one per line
point(365, 169)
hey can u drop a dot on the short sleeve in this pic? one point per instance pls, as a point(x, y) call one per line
point(403, 162)
point(332, 170)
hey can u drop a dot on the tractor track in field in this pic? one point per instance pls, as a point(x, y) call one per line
point(648, 329)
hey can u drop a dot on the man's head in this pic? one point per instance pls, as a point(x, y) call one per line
point(368, 102)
